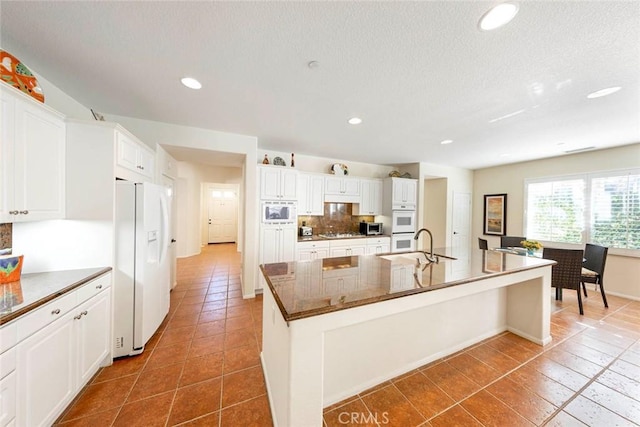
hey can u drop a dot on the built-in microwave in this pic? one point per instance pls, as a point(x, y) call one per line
point(403, 222)
point(279, 212)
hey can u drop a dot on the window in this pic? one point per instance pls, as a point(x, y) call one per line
point(601, 208)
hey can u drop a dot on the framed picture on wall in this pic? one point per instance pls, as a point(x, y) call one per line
point(495, 214)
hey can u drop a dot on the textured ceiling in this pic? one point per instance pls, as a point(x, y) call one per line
point(415, 72)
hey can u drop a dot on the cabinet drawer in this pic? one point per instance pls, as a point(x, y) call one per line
point(8, 336)
point(94, 287)
point(378, 241)
point(352, 243)
point(7, 362)
point(312, 245)
point(46, 314)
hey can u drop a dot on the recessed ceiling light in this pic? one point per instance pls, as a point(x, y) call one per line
point(355, 120)
point(446, 141)
point(603, 92)
point(191, 83)
point(498, 16)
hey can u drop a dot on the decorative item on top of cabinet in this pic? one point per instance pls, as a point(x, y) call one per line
point(293, 162)
point(15, 73)
point(32, 159)
point(265, 161)
point(97, 116)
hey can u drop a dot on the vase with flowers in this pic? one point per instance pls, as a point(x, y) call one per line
point(531, 246)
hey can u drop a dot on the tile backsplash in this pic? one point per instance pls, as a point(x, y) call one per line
point(337, 218)
point(6, 233)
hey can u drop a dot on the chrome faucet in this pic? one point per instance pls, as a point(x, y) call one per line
point(429, 256)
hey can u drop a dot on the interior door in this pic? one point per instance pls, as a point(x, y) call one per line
point(173, 228)
point(223, 215)
point(460, 240)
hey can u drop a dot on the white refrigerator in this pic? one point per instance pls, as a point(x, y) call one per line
point(141, 270)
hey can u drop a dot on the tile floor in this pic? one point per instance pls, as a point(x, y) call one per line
point(203, 368)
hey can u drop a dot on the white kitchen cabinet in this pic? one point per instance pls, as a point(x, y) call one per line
point(311, 194)
point(7, 386)
point(400, 193)
point(32, 157)
point(347, 247)
point(61, 346)
point(341, 189)
point(370, 198)
point(313, 250)
point(134, 156)
point(278, 183)
point(378, 245)
point(277, 244)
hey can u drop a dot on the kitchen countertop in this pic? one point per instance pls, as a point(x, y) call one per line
point(318, 237)
point(309, 288)
point(36, 289)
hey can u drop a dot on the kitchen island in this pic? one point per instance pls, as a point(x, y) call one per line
point(337, 326)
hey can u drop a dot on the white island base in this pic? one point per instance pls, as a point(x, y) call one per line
point(316, 361)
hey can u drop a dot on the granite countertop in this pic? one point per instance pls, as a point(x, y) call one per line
point(318, 237)
point(309, 288)
point(36, 289)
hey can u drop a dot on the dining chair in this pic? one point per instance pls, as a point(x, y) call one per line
point(593, 268)
point(511, 241)
point(482, 243)
point(567, 272)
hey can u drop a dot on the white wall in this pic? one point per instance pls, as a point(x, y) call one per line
point(622, 273)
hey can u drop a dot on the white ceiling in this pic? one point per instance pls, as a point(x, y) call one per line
point(415, 72)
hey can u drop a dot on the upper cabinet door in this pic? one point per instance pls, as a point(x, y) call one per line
point(134, 156)
point(278, 183)
point(33, 151)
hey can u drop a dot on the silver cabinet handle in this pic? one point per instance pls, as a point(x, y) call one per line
point(24, 212)
point(14, 212)
point(99, 287)
point(84, 313)
point(56, 311)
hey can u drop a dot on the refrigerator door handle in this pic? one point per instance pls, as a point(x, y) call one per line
point(164, 235)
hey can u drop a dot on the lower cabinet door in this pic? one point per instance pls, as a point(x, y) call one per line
point(46, 369)
point(93, 335)
point(7, 399)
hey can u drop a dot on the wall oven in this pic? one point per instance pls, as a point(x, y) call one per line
point(403, 222)
point(279, 212)
point(403, 242)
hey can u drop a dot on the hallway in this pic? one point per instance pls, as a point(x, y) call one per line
point(202, 368)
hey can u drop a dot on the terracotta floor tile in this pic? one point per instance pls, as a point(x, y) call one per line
point(601, 346)
point(562, 419)
point(99, 419)
point(624, 385)
point(239, 358)
point(167, 356)
point(149, 412)
point(613, 400)
point(122, 367)
point(239, 311)
point(210, 420)
point(214, 305)
point(242, 385)
point(209, 328)
point(252, 413)
point(477, 371)
point(388, 404)
point(202, 368)
point(573, 362)
point(354, 413)
point(176, 336)
point(195, 401)
point(206, 345)
point(494, 358)
point(588, 353)
point(515, 352)
point(560, 373)
point(424, 395)
point(211, 316)
point(179, 321)
point(239, 323)
point(491, 411)
point(374, 388)
point(550, 390)
point(523, 401)
point(196, 299)
point(593, 414)
point(455, 417)
point(240, 338)
point(627, 369)
point(451, 381)
point(156, 381)
point(192, 293)
point(100, 397)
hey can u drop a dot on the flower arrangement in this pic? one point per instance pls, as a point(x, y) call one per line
point(531, 245)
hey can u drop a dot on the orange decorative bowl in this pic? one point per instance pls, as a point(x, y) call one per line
point(10, 268)
point(15, 73)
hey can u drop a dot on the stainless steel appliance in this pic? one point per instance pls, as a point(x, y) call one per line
point(279, 212)
point(305, 231)
point(371, 228)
